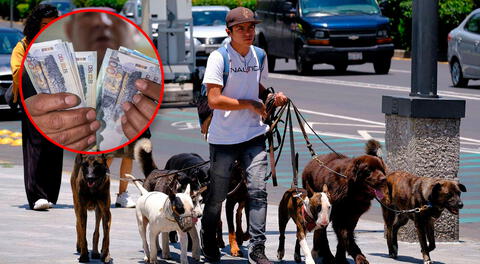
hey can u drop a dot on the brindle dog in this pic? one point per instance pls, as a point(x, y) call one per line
point(91, 191)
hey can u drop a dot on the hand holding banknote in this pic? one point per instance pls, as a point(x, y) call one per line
point(138, 113)
point(74, 128)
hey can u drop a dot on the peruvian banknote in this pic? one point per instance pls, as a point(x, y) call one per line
point(87, 70)
point(52, 70)
point(115, 86)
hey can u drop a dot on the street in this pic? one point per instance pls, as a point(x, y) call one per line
point(344, 109)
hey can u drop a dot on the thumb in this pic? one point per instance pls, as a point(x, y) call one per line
point(44, 103)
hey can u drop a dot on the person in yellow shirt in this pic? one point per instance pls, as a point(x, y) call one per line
point(42, 160)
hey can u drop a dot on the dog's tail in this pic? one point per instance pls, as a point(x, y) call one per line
point(373, 147)
point(143, 155)
point(137, 183)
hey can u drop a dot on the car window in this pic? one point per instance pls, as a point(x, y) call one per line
point(8, 41)
point(473, 25)
point(209, 18)
point(339, 7)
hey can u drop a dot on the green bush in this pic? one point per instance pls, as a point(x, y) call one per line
point(23, 10)
point(450, 14)
point(115, 4)
point(230, 3)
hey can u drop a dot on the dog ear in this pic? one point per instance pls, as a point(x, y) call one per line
point(432, 196)
point(78, 158)
point(462, 187)
point(171, 195)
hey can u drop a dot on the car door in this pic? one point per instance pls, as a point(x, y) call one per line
point(288, 28)
point(468, 46)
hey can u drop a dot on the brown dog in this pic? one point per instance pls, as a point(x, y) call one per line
point(406, 191)
point(308, 214)
point(91, 191)
point(351, 195)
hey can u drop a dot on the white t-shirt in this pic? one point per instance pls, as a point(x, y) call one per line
point(236, 126)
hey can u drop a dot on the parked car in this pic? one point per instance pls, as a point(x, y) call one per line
point(63, 7)
point(208, 30)
point(339, 33)
point(9, 37)
point(132, 9)
point(464, 50)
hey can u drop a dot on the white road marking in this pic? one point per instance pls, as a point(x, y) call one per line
point(393, 88)
point(341, 117)
point(402, 71)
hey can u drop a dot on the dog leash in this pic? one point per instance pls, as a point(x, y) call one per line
point(416, 210)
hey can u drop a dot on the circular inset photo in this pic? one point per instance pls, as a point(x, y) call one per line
point(92, 81)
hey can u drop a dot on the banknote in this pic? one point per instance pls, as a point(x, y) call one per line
point(87, 70)
point(50, 69)
point(115, 86)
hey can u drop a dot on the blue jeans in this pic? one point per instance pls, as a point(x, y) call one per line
point(253, 157)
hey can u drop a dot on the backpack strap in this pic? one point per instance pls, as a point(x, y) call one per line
point(260, 55)
point(226, 64)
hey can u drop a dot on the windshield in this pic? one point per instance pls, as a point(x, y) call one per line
point(8, 40)
point(209, 18)
point(64, 7)
point(338, 7)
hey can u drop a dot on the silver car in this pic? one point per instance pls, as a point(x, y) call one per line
point(464, 50)
point(208, 30)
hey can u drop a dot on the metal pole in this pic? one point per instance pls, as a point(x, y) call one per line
point(424, 48)
point(11, 13)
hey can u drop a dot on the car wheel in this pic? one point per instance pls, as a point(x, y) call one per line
point(303, 67)
point(340, 67)
point(382, 66)
point(457, 75)
point(271, 62)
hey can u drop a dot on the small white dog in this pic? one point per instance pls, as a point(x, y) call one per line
point(164, 213)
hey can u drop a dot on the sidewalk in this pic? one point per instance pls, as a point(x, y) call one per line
point(49, 237)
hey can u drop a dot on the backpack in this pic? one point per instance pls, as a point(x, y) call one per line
point(205, 113)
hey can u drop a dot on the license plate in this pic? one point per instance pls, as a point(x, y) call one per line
point(355, 56)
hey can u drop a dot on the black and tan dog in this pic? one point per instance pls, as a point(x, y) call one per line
point(406, 191)
point(308, 213)
point(91, 191)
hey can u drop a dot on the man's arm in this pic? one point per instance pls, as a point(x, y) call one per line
point(218, 101)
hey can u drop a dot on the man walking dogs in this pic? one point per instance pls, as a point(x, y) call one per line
point(236, 130)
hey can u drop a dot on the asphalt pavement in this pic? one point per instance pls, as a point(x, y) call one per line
point(49, 236)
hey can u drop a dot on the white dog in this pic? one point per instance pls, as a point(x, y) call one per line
point(164, 213)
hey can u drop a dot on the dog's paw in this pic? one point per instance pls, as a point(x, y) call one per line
point(106, 259)
point(78, 248)
point(427, 262)
point(246, 236)
point(297, 257)
point(166, 255)
point(146, 259)
point(236, 252)
point(220, 243)
point(280, 254)
point(84, 259)
point(361, 259)
point(393, 255)
point(95, 255)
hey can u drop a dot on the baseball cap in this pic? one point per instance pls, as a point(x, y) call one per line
point(240, 15)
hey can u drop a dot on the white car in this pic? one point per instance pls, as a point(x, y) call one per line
point(464, 50)
point(208, 30)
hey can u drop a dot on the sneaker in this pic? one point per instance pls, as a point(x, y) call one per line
point(209, 249)
point(41, 204)
point(124, 200)
point(257, 255)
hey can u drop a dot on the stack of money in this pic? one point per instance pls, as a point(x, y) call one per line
point(54, 67)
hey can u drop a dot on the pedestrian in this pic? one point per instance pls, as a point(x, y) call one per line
point(237, 132)
point(42, 160)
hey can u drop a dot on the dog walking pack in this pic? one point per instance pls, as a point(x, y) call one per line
point(204, 111)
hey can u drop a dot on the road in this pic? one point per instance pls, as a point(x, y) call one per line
point(345, 109)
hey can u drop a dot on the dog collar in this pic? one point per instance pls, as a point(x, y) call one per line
point(307, 215)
